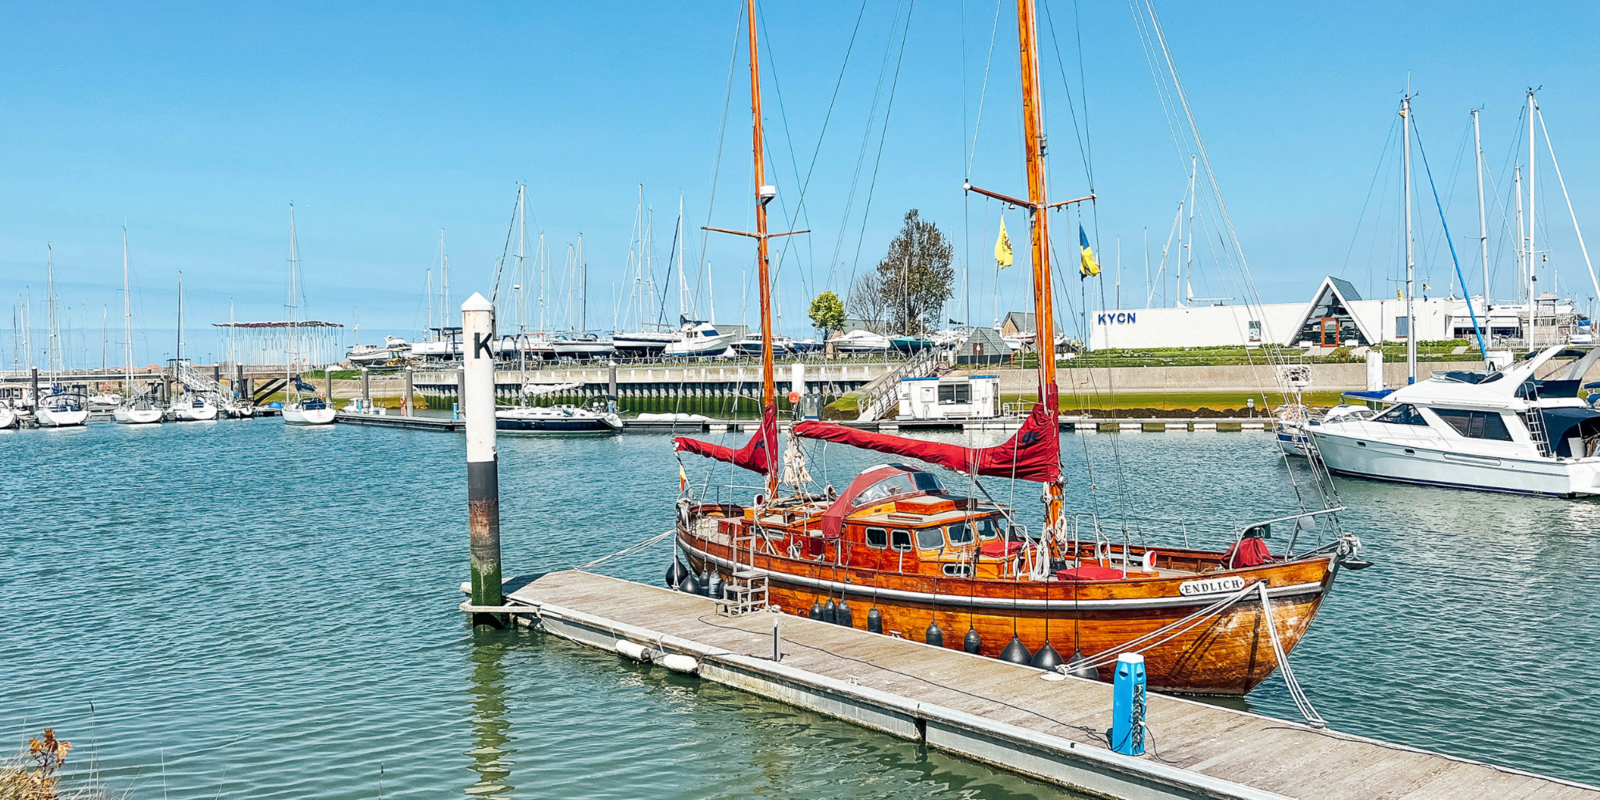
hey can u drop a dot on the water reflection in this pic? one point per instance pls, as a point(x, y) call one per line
point(491, 752)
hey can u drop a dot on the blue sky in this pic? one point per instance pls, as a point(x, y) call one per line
point(197, 125)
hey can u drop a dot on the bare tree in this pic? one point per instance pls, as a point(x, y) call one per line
point(868, 301)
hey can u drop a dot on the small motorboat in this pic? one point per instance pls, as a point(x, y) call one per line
point(557, 419)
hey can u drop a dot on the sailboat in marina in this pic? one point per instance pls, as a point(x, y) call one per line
point(58, 409)
point(900, 552)
point(312, 410)
point(136, 409)
point(193, 406)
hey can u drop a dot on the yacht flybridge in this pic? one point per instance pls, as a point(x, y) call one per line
point(898, 553)
point(1504, 431)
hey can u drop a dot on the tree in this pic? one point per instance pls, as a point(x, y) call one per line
point(827, 313)
point(866, 301)
point(914, 278)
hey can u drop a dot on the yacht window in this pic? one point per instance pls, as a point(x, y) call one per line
point(928, 482)
point(930, 538)
point(987, 530)
point(1403, 414)
point(877, 537)
point(960, 534)
point(900, 540)
point(1476, 424)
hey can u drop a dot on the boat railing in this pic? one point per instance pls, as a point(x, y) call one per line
point(1302, 521)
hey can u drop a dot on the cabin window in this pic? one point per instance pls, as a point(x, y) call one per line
point(960, 534)
point(882, 490)
point(1403, 414)
point(955, 393)
point(1475, 424)
point(877, 537)
point(900, 540)
point(930, 538)
point(928, 482)
point(987, 530)
point(958, 570)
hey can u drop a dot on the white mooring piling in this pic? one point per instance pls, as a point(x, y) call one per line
point(483, 470)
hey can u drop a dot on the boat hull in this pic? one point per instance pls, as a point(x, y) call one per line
point(194, 413)
point(1226, 655)
point(61, 418)
point(1414, 462)
point(137, 416)
point(308, 416)
point(8, 418)
point(553, 426)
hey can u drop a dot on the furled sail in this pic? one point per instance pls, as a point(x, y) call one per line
point(1032, 454)
point(760, 454)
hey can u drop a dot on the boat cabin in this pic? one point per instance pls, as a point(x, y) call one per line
point(953, 397)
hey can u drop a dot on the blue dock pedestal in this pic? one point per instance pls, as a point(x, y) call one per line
point(1127, 706)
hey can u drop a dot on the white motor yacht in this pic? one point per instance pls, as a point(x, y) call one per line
point(699, 339)
point(8, 418)
point(194, 407)
point(859, 341)
point(1501, 431)
point(751, 345)
point(63, 410)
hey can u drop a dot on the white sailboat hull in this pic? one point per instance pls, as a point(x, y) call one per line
point(186, 413)
point(1413, 462)
point(8, 418)
point(61, 418)
point(137, 416)
point(295, 415)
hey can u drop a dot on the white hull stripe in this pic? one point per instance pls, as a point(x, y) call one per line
point(963, 601)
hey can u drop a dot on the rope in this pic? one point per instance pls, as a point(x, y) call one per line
point(1301, 702)
point(629, 550)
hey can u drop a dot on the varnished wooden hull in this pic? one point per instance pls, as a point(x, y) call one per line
point(1228, 654)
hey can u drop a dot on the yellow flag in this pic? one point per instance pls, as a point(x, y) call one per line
point(1002, 247)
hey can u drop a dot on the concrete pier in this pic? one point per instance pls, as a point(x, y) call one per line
point(1009, 716)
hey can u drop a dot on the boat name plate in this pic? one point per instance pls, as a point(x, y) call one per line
point(1232, 583)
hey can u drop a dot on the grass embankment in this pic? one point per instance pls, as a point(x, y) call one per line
point(1175, 404)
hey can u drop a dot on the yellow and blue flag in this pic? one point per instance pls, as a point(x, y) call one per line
point(1089, 267)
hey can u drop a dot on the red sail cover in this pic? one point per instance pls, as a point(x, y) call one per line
point(760, 454)
point(1032, 454)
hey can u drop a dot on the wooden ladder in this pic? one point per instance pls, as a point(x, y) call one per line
point(746, 588)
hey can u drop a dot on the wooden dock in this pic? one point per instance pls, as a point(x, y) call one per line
point(1007, 715)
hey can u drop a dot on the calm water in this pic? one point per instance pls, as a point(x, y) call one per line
point(238, 609)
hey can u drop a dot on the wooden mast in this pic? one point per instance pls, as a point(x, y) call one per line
point(764, 195)
point(769, 392)
point(1044, 341)
point(1038, 206)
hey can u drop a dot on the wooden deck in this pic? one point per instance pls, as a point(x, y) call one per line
point(1008, 715)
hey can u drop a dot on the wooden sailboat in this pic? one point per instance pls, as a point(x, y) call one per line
point(898, 553)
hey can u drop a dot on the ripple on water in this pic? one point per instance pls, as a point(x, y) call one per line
point(259, 611)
